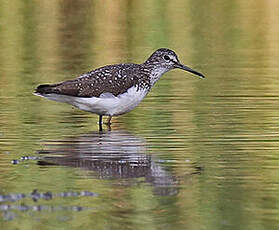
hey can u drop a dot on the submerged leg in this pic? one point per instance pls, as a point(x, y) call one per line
point(100, 123)
point(100, 119)
point(109, 120)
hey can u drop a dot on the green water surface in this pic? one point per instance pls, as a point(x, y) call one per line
point(195, 154)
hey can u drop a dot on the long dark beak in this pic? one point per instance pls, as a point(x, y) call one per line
point(186, 68)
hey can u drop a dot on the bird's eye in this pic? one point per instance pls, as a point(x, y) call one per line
point(166, 57)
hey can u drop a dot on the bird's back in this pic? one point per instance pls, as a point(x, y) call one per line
point(114, 79)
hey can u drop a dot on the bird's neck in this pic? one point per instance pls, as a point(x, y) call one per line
point(156, 73)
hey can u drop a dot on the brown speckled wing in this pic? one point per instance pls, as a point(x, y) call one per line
point(114, 79)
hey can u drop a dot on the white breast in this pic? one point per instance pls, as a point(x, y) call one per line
point(111, 105)
point(106, 104)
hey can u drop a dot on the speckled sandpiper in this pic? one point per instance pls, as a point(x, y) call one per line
point(113, 90)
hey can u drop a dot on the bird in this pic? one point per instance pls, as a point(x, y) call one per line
point(113, 90)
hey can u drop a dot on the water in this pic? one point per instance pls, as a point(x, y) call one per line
point(196, 154)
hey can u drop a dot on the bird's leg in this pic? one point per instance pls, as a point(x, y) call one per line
point(100, 123)
point(100, 119)
point(108, 123)
point(109, 120)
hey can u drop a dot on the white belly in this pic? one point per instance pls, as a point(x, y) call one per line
point(106, 104)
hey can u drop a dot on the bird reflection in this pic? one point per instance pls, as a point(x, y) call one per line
point(110, 154)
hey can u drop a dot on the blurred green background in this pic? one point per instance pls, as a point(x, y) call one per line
point(214, 142)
